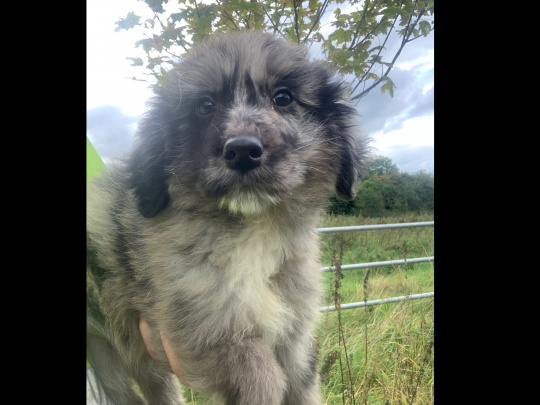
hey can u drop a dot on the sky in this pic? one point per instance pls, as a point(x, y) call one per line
point(401, 127)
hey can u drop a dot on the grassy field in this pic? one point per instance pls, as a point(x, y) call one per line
point(388, 353)
point(379, 354)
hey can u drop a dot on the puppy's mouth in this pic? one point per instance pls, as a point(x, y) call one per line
point(246, 178)
point(245, 192)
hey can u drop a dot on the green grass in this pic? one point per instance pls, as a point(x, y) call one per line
point(390, 346)
point(377, 245)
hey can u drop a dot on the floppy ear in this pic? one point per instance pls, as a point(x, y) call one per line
point(348, 174)
point(352, 143)
point(150, 162)
point(148, 176)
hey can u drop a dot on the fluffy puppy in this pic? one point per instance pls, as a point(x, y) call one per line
point(207, 229)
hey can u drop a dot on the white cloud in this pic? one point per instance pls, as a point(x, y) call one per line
point(427, 88)
point(423, 63)
point(414, 132)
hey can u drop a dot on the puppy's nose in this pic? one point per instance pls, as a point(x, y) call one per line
point(243, 153)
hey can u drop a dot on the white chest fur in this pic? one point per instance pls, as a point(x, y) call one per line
point(248, 261)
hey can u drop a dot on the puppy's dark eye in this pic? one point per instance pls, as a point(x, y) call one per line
point(283, 98)
point(205, 106)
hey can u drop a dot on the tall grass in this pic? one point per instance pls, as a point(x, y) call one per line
point(389, 347)
point(378, 354)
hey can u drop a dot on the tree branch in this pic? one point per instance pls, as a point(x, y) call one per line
point(276, 28)
point(229, 17)
point(246, 21)
point(320, 13)
point(373, 63)
point(360, 24)
point(197, 9)
point(420, 36)
point(408, 31)
point(366, 37)
point(295, 8)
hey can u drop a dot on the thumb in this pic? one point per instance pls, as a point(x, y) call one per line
point(174, 361)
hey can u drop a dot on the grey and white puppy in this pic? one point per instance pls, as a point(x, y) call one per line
point(207, 230)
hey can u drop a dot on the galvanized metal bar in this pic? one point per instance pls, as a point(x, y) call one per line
point(377, 264)
point(375, 227)
point(378, 302)
point(380, 264)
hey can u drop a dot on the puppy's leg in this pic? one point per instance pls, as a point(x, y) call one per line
point(111, 372)
point(244, 374)
point(158, 386)
point(299, 361)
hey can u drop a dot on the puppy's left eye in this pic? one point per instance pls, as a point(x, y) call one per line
point(205, 106)
point(283, 98)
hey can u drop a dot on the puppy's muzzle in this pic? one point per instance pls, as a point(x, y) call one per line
point(243, 153)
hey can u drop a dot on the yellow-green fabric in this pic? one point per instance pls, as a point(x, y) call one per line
point(94, 164)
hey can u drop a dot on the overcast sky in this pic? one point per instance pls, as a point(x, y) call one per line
point(402, 127)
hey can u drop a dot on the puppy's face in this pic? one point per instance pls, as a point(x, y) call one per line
point(246, 121)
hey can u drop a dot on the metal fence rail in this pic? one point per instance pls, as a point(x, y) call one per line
point(375, 227)
point(377, 302)
point(377, 264)
point(381, 264)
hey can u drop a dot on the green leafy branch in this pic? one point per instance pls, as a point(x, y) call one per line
point(348, 47)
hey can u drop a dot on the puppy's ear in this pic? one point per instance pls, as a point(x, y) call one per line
point(341, 118)
point(349, 171)
point(152, 195)
point(148, 176)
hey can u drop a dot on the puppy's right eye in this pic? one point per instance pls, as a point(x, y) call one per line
point(283, 98)
point(205, 106)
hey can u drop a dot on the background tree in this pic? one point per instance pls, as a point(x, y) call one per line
point(356, 45)
point(386, 190)
point(379, 165)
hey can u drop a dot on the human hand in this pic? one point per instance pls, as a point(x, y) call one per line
point(174, 361)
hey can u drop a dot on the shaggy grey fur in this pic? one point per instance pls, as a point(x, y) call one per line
point(218, 253)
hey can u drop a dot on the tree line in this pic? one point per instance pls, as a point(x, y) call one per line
point(385, 190)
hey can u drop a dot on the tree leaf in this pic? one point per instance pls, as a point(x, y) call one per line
point(136, 61)
point(127, 23)
point(181, 16)
point(392, 11)
point(372, 76)
point(388, 86)
point(156, 5)
point(314, 4)
point(146, 44)
point(149, 22)
point(425, 27)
